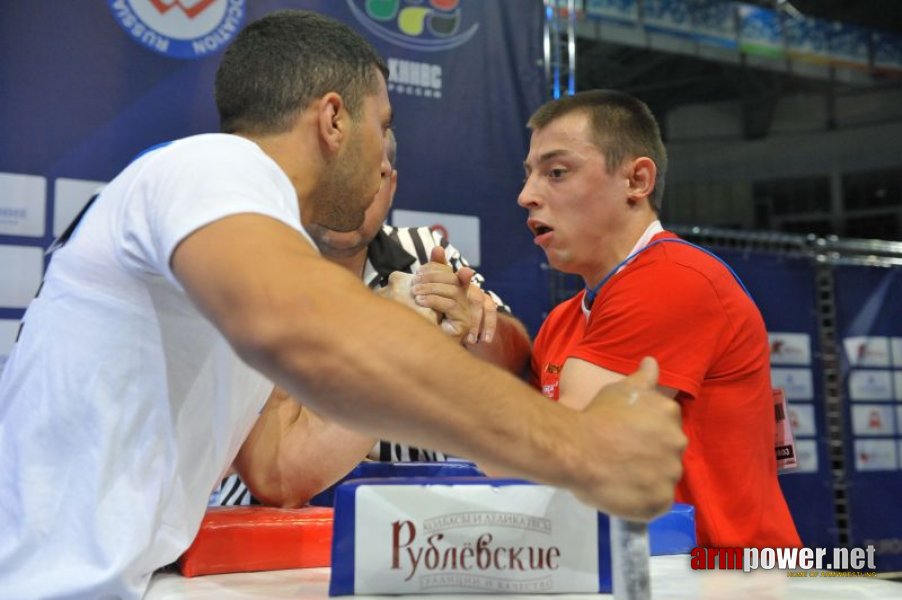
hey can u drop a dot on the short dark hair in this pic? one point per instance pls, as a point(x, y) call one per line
point(623, 127)
point(282, 62)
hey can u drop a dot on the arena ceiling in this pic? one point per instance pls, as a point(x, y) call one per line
point(667, 80)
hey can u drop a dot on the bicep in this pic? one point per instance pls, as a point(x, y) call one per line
point(581, 380)
point(246, 271)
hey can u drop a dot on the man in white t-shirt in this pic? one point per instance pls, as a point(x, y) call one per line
point(191, 285)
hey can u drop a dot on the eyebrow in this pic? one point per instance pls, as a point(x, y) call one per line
point(545, 157)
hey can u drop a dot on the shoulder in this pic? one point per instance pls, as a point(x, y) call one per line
point(203, 147)
point(214, 157)
point(672, 260)
point(568, 310)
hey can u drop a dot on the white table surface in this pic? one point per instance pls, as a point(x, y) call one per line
point(671, 579)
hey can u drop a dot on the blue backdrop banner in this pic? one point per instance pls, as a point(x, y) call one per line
point(88, 85)
point(870, 329)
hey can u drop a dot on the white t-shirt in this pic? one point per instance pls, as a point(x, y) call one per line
point(121, 407)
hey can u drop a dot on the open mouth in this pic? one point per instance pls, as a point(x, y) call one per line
point(541, 229)
point(537, 227)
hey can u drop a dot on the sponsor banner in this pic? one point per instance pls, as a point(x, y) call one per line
point(896, 351)
point(801, 418)
point(887, 50)
point(414, 78)
point(873, 419)
point(452, 64)
point(850, 45)
point(9, 329)
point(808, 38)
point(789, 348)
point(23, 200)
point(714, 22)
point(760, 32)
point(870, 384)
point(623, 11)
point(867, 320)
point(797, 383)
point(434, 26)
point(876, 455)
point(180, 28)
point(462, 231)
point(69, 197)
point(667, 16)
point(867, 351)
point(806, 452)
point(21, 270)
point(516, 538)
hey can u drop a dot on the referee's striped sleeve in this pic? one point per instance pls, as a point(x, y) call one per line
point(419, 242)
point(456, 260)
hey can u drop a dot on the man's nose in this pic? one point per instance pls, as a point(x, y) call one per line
point(527, 196)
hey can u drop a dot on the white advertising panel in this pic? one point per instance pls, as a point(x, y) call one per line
point(465, 539)
point(875, 455)
point(806, 456)
point(873, 419)
point(865, 351)
point(23, 204)
point(21, 270)
point(870, 384)
point(789, 348)
point(801, 418)
point(797, 383)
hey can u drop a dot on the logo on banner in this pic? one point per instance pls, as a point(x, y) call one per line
point(807, 456)
point(868, 351)
point(875, 455)
point(22, 204)
point(180, 28)
point(431, 26)
point(435, 559)
point(790, 348)
point(414, 78)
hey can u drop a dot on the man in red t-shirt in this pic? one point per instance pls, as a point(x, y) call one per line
point(594, 184)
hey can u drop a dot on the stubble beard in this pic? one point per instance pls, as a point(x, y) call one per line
point(341, 198)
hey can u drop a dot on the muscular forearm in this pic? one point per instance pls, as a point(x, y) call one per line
point(425, 391)
point(376, 367)
point(510, 347)
point(292, 454)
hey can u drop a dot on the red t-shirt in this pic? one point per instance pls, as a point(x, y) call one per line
point(685, 308)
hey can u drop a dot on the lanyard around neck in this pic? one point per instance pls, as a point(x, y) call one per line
point(592, 292)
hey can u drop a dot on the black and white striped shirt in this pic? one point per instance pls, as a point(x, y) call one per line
point(393, 249)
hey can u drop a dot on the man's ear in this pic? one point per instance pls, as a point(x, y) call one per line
point(641, 174)
point(394, 182)
point(332, 120)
